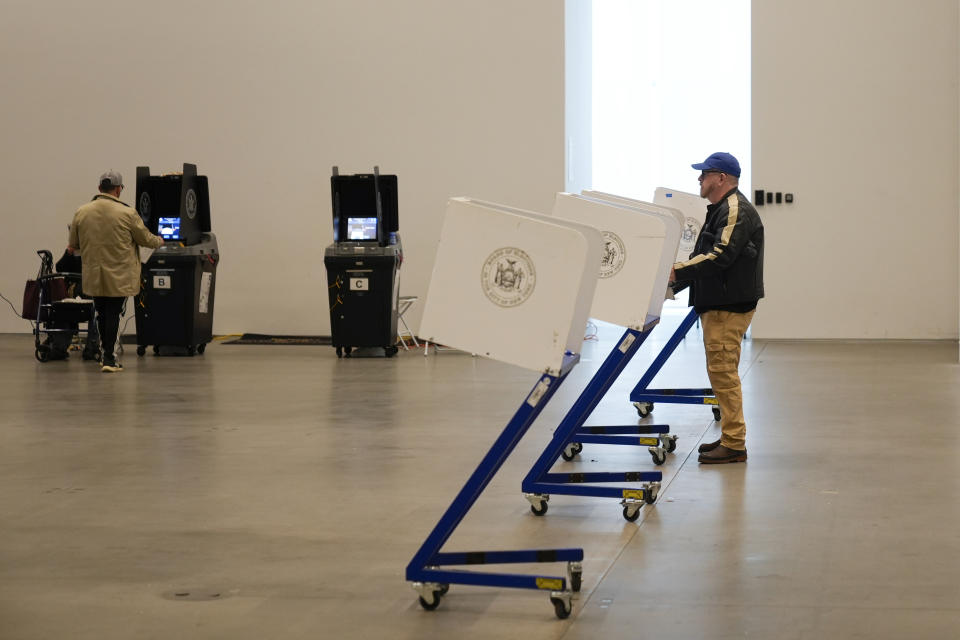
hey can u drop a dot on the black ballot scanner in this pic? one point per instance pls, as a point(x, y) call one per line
point(174, 309)
point(363, 263)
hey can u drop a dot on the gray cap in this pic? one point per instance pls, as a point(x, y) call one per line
point(111, 179)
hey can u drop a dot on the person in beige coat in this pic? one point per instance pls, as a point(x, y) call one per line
point(107, 233)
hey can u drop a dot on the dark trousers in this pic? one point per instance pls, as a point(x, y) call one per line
point(109, 311)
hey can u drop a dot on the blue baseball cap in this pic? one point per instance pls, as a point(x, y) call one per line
point(720, 161)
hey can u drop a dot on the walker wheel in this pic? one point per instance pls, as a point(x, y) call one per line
point(42, 353)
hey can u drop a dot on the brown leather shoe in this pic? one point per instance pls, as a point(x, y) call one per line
point(708, 446)
point(723, 454)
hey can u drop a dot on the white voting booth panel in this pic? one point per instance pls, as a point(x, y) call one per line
point(609, 197)
point(639, 246)
point(694, 210)
point(681, 253)
point(675, 226)
point(511, 285)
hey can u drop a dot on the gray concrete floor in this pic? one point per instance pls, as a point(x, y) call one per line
point(285, 491)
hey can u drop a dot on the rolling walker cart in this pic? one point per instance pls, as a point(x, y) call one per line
point(54, 314)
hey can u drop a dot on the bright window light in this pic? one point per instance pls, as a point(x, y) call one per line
point(671, 85)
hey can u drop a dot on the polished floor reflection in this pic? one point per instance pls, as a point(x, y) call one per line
point(278, 492)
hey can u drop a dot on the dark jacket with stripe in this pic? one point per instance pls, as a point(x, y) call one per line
point(725, 269)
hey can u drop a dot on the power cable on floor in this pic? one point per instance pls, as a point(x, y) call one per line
point(12, 307)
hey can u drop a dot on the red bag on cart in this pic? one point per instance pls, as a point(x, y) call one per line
point(56, 290)
point(31, 300)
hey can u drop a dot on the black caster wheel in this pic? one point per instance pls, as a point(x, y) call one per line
point(650, 497)
point(191, 350)
point(575, 581)
point(643, 408)
point(569, 453)
point(390, 351)
point(201, 348)
point(577, 447)
point(539, 511)
point(630, 517)
point(561, 608)
point(659, 456)
point(444, 588)
point(339, 352)
point(347, 350)
point(670, 444)
point(716, 414)
point(141, 350)
point(42, 354)
point(430, 606)
point(156, 349)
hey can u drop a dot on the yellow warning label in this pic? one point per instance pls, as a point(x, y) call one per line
point(650, 442)
point(553, 584)
point(636, 494)
point(710, 401)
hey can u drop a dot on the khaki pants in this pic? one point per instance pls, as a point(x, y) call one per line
point(722, 334)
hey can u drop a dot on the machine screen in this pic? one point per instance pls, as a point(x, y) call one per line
point(169, 228)
point(361, 228)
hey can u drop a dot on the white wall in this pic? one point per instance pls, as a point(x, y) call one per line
point(855, 111)
point(578, 89)
point(455, 97)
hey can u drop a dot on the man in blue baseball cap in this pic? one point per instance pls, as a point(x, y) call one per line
point(725, 276)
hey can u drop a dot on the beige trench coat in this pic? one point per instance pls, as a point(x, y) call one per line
point(107, 233)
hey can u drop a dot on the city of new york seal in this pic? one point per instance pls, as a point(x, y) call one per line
point(688, 239)
point(614, 255)
point(508, 277)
